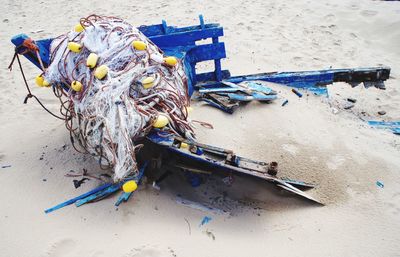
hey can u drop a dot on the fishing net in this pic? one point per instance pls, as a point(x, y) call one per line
point(115, 86)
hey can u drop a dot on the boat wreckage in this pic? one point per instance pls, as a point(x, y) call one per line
point(125, 98)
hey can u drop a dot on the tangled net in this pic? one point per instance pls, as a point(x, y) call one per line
point(106, 115)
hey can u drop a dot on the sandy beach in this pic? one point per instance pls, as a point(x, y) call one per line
point(312, 138)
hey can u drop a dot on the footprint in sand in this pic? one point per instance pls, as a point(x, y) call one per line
point(290, 148)
point(147, 251)
point(368, 13)
point(61, 248)
point(335, 162)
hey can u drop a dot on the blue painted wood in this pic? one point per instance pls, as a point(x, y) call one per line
point(185, 38)
point(206, 52)
point(43, 45)
point(124, 197)
point(201, 19)
point(73, 200)
point(164, 26)
point(248, 98)
point(155, 30)
point(103, 193)
point(384, 123)
point(295, 79)
point(210, 76)
point(394, 126)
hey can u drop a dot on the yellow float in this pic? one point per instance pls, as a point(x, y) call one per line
point(170, 61)
point(139, 45)
point(147, 82)
point(129, 186)
point(91, 61)
point(101, 72)
point(76, 86)
point(161, 121)
point(79, 28)
point(74, 47)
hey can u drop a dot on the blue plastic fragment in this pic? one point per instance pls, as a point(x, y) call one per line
point(285, 102)
point(205, 220)
point(380, 184)
point(384, 123)
point(394, 126)
point(297, 92)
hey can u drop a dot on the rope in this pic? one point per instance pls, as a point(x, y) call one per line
point(30, 95)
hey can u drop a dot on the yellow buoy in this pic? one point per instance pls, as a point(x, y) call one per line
point(161, 121)
point(147, 82)
point(79, 28)
point(46, 83)
point(129, 186)
point(189, 109)
point(91, 61)
point(76, 86)
point(170, 61)
point(39, 80)
point(74, 47)
point(184, 145)
point(101, 72)
point(139, 45)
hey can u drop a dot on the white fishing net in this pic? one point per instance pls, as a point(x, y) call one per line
point(108, 115)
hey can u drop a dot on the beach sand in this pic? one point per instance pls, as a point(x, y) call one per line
point(309, 139)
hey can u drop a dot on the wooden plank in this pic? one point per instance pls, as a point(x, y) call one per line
point(73, 200)
point(185, 38)
point(156, 30)
point(207, 52)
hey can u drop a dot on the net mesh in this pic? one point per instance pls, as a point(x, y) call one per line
point(106, 116)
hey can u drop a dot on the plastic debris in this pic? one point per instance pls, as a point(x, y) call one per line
point(381, 112)
point(394, 126)
point(348, 106)
point(226, 96)
point(205, 220)
point(78, 183)
point(352, 100)
point(73, 200)
point(297, 92)
point(380, 184)
point(285, 102)
point(210, 234)
point(6, 166)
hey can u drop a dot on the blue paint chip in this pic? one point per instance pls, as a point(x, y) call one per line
point(205, 220)
point(380, 184)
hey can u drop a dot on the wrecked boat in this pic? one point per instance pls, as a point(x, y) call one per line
point(164, 150)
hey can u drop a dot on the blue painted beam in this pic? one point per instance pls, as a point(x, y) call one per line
point(210, 76)
point(207, 52)
point(156, 30)
point(103, 193)
point(73, 200)
point(185, 38)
